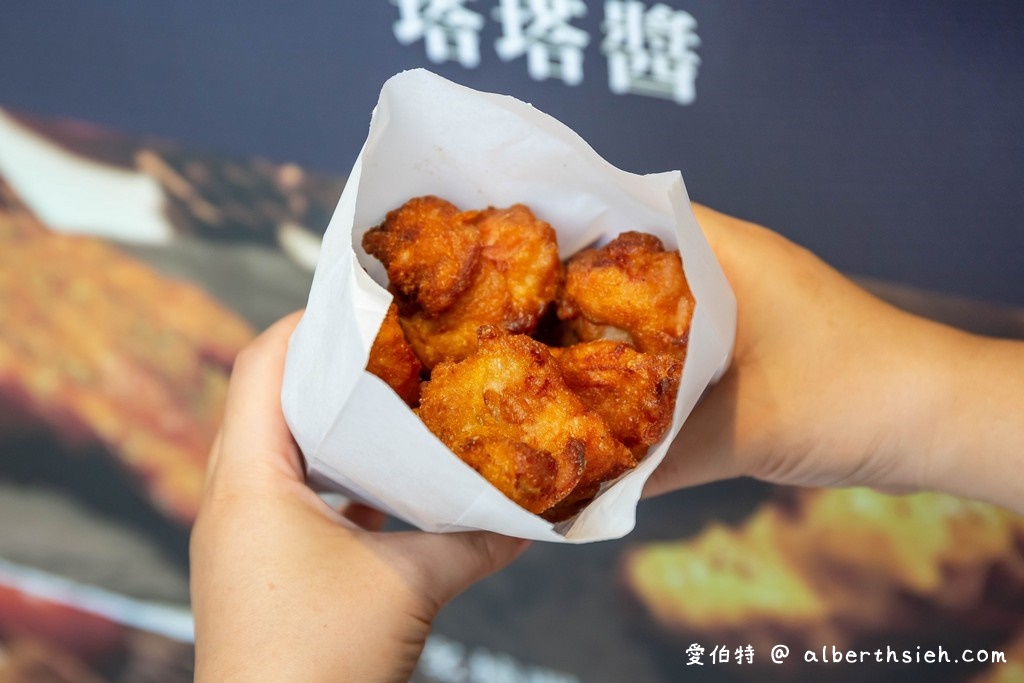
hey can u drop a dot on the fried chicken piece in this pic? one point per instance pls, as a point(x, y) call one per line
point(101, 349)
point(633, 392)
point(430, 250)
point(508, 413)
point(516, 280)
point(630, 290)
point(393, 360)
point(529, 476)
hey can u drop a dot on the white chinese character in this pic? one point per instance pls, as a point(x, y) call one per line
point(449, 30)
point(720, 655)
point(694, 652)
point(540, 29)
point(443, 659)
point(747, 652)
point(651, 51)
point(485, 667)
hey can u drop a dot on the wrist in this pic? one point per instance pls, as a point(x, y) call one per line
point(976, 427)
point(894, 399)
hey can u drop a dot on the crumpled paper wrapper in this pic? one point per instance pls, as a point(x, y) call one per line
point(430, 136)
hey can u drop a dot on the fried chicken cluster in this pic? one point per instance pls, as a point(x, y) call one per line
point(546, 425)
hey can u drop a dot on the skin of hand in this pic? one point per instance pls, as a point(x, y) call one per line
point(284, 588)
point(829, 386)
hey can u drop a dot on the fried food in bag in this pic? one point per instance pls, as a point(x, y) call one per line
point(548, 427)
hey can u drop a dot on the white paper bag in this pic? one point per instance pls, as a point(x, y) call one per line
point(430, 136)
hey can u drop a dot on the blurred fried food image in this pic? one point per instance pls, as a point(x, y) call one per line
point(393, 360)
point(837, 566)
point(507, 277)
point(546, 426)
point(33, 661)
point(734, 583)
point(935, 546)
point(99, 348)
point(1009, 671)
point(630, 290)
point(633, 392)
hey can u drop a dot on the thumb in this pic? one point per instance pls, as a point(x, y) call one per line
point(254, 429)
point(450, 563)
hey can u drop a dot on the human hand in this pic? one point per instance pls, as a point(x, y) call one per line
point(829, 386)
point(286, 589)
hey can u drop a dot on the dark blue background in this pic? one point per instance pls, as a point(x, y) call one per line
point(886, 136)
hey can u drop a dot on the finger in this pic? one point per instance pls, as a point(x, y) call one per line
point(713, 223)
point(449, 563)
point(364, 516)
point(732, 239)
point(211, 463)
point(254, 429)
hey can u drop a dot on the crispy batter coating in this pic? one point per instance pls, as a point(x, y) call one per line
point(393, 360)
point(629, 290)
point(633, 392)
point(430, 251)
point(516, 280)
point(507, 412)
point(527, 475)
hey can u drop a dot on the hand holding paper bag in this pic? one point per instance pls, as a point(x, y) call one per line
point(429, 136)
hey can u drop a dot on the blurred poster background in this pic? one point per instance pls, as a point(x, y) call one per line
point(166, 172)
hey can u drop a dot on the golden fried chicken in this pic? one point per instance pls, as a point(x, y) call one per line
point(430, 251)
point(507, 412)
point(633, 392)
point(516, 280)
point(629, 290)
point(393, 360)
